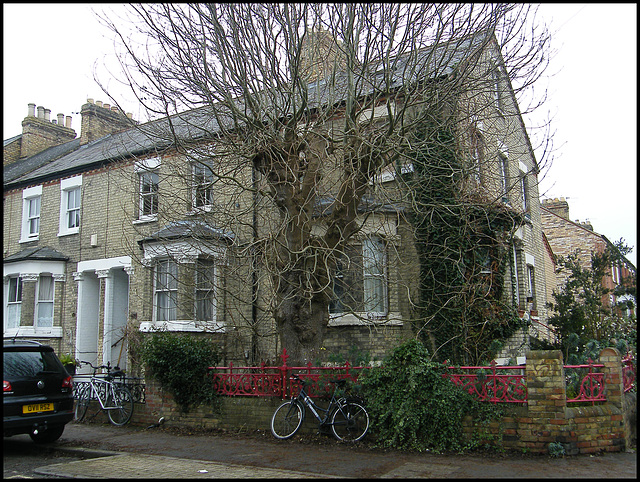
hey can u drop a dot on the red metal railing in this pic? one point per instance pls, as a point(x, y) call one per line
point(497, 384)
point(270, 381)
point(591, 385)
point(492, 387)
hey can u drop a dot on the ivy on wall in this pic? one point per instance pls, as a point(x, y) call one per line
point(464, 248)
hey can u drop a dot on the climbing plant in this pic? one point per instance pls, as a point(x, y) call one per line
point(413, 407)
point(463, 244)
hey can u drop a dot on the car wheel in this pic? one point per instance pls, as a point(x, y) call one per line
point(51, 434)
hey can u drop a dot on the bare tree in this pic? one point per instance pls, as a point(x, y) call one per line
point(295, 111)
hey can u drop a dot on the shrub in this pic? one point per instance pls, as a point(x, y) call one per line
point(179, 363)
point(413, 407)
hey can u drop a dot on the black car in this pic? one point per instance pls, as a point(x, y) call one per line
point(38, 391)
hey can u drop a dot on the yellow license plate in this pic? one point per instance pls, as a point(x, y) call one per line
point(37, 407)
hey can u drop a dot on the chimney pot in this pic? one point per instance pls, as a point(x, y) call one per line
point(89, 100)
point(114, 109)
point(99, 103)
point(32, 110)
point(68, 122)
point(129, 115)
point(47, 114)
point(60, 119)
point(40, 112)
point(107, 106)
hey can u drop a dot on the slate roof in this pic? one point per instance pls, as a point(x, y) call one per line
point(53, 163)
point(187, 229)
point(43, 253)
point(21, 167)
point(6, 142)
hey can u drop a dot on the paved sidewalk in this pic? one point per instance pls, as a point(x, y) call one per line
point(134, 452)
point(138, 466)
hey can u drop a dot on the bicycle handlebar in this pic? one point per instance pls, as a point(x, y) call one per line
point(115, 373)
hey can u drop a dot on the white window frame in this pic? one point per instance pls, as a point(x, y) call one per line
point(44, 313)
point(13, 304)
point(375, 279)
point(151, 167)
point(182, 251)
point(197, 186)
point(31, 271)
point(30, 195)
point(67, 186)
point(366, 317)
point(170, 291)
point(205, 289)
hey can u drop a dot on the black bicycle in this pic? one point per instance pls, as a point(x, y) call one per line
point(347, 417)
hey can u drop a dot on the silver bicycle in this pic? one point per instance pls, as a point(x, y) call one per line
point(114, 398)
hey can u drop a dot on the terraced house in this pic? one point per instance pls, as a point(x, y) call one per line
point(125, 230)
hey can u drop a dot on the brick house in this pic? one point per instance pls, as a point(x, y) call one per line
point(116, 231)
point(566, 236)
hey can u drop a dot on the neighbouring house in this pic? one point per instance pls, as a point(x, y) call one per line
point(566, 237)
point(121, 231)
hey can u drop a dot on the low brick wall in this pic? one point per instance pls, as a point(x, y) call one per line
point(545, 419)
point(548, 419)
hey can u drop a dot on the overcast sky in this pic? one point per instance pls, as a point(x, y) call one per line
point(50, 51)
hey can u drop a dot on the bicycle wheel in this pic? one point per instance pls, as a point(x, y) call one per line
point(123, 402)
point(286, 420)
point(350, 422)
point(82, 403)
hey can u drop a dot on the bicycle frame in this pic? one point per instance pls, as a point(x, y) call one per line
point(100, 387)
point(307, 401)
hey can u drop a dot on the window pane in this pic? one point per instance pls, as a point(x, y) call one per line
point(45, 314)
point(148, 193)
point(15, 289)
point(166, 290)
point(73, 199)
point(13, 315)
point(205, 276)
point(34, 207)
point(202, 185)
point(374, 295)
point(373, 252)
point(45, 290)
point(34, 216)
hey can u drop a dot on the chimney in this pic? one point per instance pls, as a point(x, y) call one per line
point(560, 207)
point(40, 133)
point(100, 120)
point(320, 55)
point(60, 119)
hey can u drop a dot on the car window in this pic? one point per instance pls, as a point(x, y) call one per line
point(29, 363)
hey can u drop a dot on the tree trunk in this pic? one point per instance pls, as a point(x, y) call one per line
point(302, 324)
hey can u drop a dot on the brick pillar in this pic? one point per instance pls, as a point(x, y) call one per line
point(546, 399)
point(614, 390)
point(27, 310)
